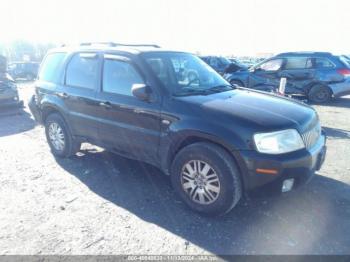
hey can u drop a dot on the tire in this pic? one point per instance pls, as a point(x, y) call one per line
point(236, 82)
point(227, 174)
point(320, 94)
point(70, 147)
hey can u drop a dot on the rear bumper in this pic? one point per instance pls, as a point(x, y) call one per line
point(300, 165)
point(341, 89)
point(34, 109)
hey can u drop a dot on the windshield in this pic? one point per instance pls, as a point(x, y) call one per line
point(185, 74)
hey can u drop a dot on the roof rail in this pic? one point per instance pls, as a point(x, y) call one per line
point(305, 53)
point(113, 44)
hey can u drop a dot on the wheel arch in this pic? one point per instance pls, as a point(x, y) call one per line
point(196, 138)
point(47, 109)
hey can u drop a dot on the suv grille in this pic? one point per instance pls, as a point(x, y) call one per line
point(311, 136)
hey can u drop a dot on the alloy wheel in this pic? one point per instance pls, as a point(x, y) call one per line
point(56, 136)
point(200, 181)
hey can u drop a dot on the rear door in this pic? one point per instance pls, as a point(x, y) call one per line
point(299, 72)
point(266, 75)
point(128, 125)
point(79, 93)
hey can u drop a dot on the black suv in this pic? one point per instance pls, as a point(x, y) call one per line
point(317, 75)
point(170, 109)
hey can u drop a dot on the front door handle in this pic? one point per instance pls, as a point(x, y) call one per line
point(62, 95)
point(105, 104)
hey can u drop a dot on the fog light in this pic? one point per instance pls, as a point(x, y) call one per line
point(287, 185)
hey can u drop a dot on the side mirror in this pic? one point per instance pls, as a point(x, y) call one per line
point(141, 91)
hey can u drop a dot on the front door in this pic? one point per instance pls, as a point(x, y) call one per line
point(126, 124)
point(265, 77)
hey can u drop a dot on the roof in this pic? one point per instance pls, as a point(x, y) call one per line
point(305, 53)
point(129, 48)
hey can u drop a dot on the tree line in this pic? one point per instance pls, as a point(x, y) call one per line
point(21, 50)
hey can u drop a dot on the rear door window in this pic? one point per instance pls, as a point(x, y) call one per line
point(82, 70)
point(51, 68)
point(298, 63)
point(323, 63)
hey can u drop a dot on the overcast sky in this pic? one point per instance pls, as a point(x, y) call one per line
point(239, 27)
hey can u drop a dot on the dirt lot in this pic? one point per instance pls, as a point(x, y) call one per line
point(99, 203)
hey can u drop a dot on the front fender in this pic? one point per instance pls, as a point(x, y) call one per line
point(193, 130)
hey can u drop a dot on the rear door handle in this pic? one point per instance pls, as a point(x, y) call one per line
point(105, 104)
point(62, 95)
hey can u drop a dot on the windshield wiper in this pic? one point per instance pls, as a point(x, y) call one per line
point(220, 88)
point(189, 92)
point(206, 91)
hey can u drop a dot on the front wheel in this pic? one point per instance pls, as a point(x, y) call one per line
point(236, 83)
point(207, 179)
point(59, 138)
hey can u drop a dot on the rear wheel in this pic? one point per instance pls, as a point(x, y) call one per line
point(59, 138)
point(206, 178)
point(320, 94)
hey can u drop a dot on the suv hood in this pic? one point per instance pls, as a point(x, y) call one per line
point(256, 110)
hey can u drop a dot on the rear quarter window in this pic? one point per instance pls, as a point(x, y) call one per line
point(323, 63)
point(51, 68)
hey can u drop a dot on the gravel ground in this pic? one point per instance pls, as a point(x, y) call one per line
point(99, 203)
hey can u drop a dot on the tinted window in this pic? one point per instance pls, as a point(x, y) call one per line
point(184, 74)
point(271, 65)
point(298, 63)
point(119, 77)
point(82, 71)
point(323, 63)
point(51, 68)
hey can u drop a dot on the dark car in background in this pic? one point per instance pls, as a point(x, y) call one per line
point(23, 70)
point(170, 109)
point(316, 75)
point(8, 88)
point(223, 65)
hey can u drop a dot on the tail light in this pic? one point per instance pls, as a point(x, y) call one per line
point(345, 72)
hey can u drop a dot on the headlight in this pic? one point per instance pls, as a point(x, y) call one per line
point(278, 142)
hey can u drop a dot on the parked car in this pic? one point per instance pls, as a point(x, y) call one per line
point(217, 143)
point(23, 70)
point(317, 75)
point(8, 88)
point(223, 65)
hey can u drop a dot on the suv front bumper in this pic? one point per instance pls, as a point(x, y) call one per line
point(300, 165)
